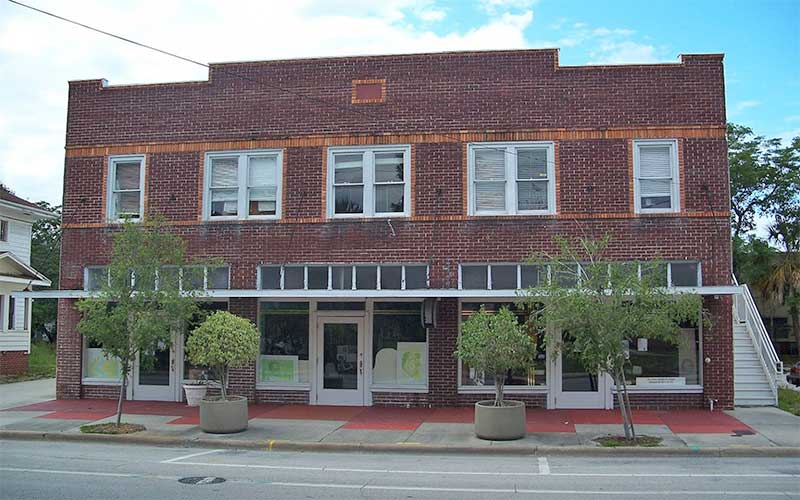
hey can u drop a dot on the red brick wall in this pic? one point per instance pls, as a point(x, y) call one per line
point(457, 91)
point(13, 362)
point(69, 352)
point(718, 346)
point(242, 380)
point(591, 171)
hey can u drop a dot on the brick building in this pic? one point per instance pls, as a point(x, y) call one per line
point(349, 197)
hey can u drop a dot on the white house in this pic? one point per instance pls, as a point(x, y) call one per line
point(16, 221)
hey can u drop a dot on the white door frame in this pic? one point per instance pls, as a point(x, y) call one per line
point(171, 392)
point(360, 396)
point(600, 399)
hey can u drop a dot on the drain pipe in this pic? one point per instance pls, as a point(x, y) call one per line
point(711, 402)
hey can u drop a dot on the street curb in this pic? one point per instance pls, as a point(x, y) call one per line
point(500, 449)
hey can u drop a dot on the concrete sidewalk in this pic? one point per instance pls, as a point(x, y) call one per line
point(320, 427)
point(28, 392)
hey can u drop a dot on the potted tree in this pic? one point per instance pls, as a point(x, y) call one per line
point(495, 344)
point(221, 342)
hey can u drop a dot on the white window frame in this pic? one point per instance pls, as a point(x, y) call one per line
point(674, 185)
point(369, 180)
point(329, 285)
point(242, 184)
point(4, 229)
point(111, 216)
point(511, 177)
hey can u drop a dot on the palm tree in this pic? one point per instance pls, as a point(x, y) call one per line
point(782, 283)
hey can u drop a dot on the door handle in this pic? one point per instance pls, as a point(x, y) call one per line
point(361, 363)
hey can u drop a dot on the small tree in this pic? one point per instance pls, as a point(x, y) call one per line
point(604, 305)
point(495, 344)
point(131, 316)
point(223, 341)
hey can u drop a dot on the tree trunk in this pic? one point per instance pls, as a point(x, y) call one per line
point(621, 401)
point(627, 402)
point(499, 381)
point(223, 377)
point(122, 387)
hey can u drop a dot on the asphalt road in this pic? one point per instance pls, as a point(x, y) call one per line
point(45, 470)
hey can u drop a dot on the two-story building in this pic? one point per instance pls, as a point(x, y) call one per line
point(363, 206)
point(17, 216)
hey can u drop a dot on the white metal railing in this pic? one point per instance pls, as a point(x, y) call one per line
point(747, 313)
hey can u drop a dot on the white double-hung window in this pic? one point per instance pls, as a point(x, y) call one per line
point(369, 181)
point(125, 188)
point(243, 185)
point(511, 178)
point(655, 171)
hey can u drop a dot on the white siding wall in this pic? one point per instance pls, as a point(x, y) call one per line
point(15, 339)
point(19, 239)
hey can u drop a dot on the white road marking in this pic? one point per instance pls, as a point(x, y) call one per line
point(544, 466)
point(68, 472)
point(177, 459)
point(360, 486)
point(544, 470)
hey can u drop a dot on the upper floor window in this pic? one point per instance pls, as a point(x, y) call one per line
point(511, 178)
point(125, 187)
point(243, 184)
point(655, 171)
point(3, 230)
point(369, 182)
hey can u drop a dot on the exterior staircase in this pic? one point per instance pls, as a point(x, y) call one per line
point(757, 369)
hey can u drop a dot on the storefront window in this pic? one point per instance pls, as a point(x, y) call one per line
point(284, 344)
point(96, 365)
point(655, 363)
point(399, 346)
point(534, 376)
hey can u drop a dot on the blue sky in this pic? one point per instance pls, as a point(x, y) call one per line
point(38, 55)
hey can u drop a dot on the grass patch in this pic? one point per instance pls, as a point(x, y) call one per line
point(789, 400)
point(41, 364)
point(618, 441)
point(111, 428)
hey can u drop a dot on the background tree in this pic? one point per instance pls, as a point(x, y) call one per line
point(46, 258)
point(764, 176)
point(604, 306)
point(781, 284)
point(132, 317)
point(494, 344)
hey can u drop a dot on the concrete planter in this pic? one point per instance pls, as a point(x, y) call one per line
point(223, 417)
point(500, 423)
point(194, 393)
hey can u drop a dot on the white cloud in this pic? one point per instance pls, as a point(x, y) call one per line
point(38, 55)
point(745, 105)
point(495, 6)
point(624, 52)
point(789, 135)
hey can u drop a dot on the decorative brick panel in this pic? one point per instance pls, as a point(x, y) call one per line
point(13, 362)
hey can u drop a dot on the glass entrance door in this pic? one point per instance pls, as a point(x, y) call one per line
point(154, 377)
point(340, 370)
point(575, 386)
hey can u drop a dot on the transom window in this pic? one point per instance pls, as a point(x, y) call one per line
point(519, 276)
point(655, 170)
point(125, 188)
point(243, 185)
point(511, 178)
point(343, 277)
point(186, 278)
point(369, 182)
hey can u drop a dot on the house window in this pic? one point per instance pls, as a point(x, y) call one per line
point(243, 185)
point(3, 230)
point(534, 375)
point(399, 346)
point(684, 273)
point(125, 187)
point(284, 355)
point(26, 314)
point(655, 171)
point(339, 277)
point(511, 178)
point(369, 182)
point(12, 313)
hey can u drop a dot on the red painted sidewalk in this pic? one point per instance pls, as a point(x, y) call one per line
point(679, 421)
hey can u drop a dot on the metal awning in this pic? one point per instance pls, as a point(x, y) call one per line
point(365, 294)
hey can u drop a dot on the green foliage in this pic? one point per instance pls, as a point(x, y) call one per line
point(223, 341)
point(789, 400)
point(495, 344)
point(131, 317)
point(764, 174)
point(45, 258)
point(603, 305)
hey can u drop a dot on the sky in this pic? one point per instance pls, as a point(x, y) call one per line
point(39, 54)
